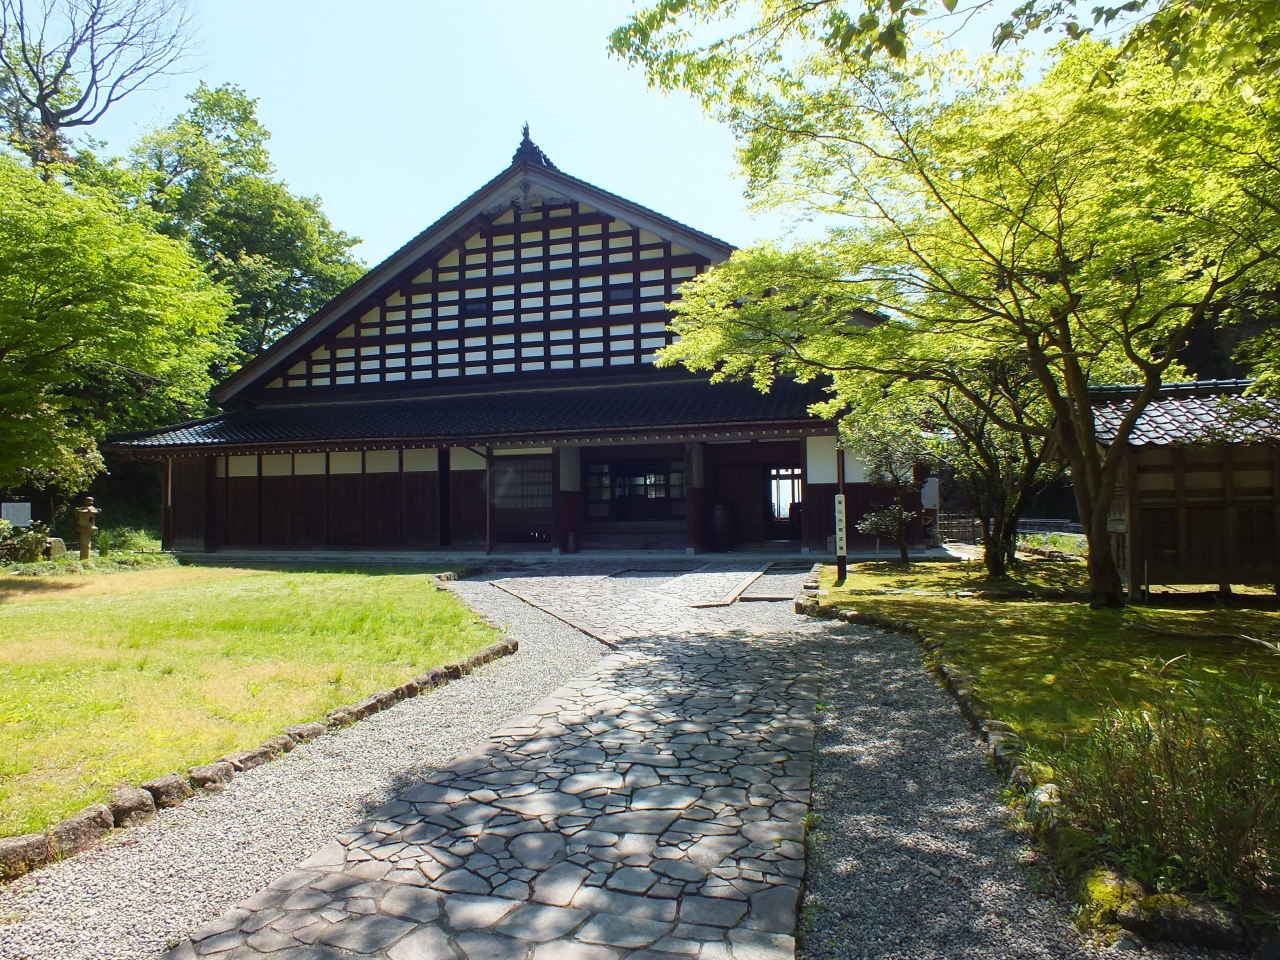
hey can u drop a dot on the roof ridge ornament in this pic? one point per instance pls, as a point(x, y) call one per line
point(529, 152)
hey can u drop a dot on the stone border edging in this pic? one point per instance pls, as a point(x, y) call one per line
point(1165, 917)
point(129, 806)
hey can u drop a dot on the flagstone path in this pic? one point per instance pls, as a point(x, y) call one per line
point(652, 809)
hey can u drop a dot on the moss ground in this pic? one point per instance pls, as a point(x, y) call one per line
point(1046, 667)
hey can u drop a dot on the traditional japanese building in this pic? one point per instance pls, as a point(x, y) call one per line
point(491, 385)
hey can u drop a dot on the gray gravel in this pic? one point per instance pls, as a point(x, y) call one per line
point(913, 856)
point(149, 887)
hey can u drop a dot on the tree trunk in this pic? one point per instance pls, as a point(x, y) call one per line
point(993, 546)
point(1104, 576)
point(900, 529)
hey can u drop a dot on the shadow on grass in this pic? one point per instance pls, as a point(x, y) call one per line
point(13, 588)
point(302, 566)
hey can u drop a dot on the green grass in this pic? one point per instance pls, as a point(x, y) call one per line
point(117, 679)
point(1046, 667)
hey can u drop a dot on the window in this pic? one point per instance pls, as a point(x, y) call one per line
point(598, 485)
point(784, 489)
point(522, 483)
point(650, 486)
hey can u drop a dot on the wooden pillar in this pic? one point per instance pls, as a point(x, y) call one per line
point(1136, 554)
point(1275, 517)
point(488, 499)
point(695, 467)
point(556, 526)
point(166, 501)
point(1230, 520)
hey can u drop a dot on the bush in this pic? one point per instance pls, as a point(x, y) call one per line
point(22, 544)
point(127, 539)
point(1185, 793)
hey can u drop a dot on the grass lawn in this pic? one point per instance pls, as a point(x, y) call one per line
point(1046, 666)
point(106, 679)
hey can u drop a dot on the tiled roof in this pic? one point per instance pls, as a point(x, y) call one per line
point(685, 405)
point(1211, 411)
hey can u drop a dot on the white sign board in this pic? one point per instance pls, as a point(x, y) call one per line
point(19, 514)
point(841, 537)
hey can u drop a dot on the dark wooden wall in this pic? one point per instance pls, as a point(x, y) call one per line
point(1201, 515)
point(186, 511)
point(467, 514)
point(311, 510)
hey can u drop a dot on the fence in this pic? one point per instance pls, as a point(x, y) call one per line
point(966, 529)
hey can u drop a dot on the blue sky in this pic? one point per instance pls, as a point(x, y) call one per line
point(392, 111)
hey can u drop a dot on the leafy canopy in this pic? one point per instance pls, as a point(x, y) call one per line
point(1075, 228)
point(104, 324)
point(208, 176)
point(679, 43)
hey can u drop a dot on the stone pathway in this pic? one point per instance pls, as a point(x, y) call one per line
point(652, 809)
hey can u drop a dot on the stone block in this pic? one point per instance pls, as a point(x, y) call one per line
point(612, 930)
point(774, 910)
point(130, 806)
point(169, 790)
point(385, 698)
point(212, 776)
point(453, 671)
point(306, 732)
point(248, 759)
point(407, 690)
point(425, 682)
point(280, 743)
point(428, 943)
point(81, 830)
point(365, 708)
point(55, 547)
point(1176, 919)
point(341, 717)
point(19, 855)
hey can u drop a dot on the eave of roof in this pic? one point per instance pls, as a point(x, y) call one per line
point(669, 406)
point(519, 171)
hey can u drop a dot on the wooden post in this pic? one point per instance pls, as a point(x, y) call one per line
point(842, 532)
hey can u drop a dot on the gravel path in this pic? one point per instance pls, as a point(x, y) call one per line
point(914, 857)
point(149, 887)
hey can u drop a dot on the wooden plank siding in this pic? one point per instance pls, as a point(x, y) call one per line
point(1202, 514)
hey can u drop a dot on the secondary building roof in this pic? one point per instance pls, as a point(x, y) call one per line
point(1204, 411)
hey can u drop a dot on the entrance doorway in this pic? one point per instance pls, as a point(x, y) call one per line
point(784, 498)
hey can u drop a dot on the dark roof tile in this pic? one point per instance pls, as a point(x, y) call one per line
point(1205, 411)
point(574, 410)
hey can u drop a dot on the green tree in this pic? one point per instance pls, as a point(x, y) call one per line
point(208, 176)
point(104, 325)
point(890, 452)
point(1238, 38)
point(995, 470)
point(64, 63)
point(1078, 229)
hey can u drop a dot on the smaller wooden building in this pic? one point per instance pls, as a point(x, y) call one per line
point(1198, 499)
